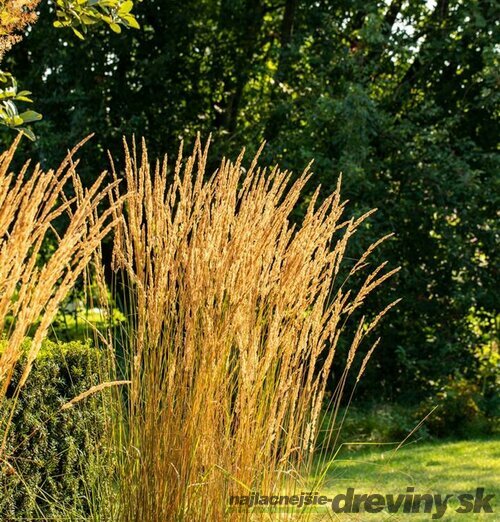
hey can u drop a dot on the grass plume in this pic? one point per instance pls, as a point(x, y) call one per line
point(235, 319)
point(31, 288)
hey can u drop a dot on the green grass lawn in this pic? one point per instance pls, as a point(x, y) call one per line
point(431, 467)
point(81, 326)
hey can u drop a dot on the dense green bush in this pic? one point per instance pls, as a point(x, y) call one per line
point(372, 423)
point(458, 409)
point(462, 410)
point(381, 423)
point(52, 455)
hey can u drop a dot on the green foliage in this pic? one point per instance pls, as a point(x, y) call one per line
point(53, 453)
point(80, 14)
point(401, 97)
point(9, 114)
point(377, 423)
point(462, 411)
point(459, 410)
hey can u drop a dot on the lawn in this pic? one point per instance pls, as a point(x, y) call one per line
point(448, 467)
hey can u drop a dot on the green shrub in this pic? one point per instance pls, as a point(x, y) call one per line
point(52, 454)
point(462, 410)
point(378, 423)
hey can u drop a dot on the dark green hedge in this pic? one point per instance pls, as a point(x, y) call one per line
point(53, 454)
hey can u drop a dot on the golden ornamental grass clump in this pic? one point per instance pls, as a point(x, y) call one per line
point(235, 319)
point(31, 288)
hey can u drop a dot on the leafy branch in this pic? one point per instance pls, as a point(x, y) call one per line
point(9, 113)
point(78, 15)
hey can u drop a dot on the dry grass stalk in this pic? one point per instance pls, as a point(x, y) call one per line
point(235, 322)
point(92, 391)
point(31, 290)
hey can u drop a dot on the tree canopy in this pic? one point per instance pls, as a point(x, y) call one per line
point(401, 97)
point(17, 15)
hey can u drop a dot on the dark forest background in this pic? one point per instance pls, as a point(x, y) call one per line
point(401, 97)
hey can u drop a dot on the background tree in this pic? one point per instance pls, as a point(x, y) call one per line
point(399, 96)
point(17, 15)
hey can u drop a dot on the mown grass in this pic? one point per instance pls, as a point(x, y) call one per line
point(83, 325)
point(443, 467)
